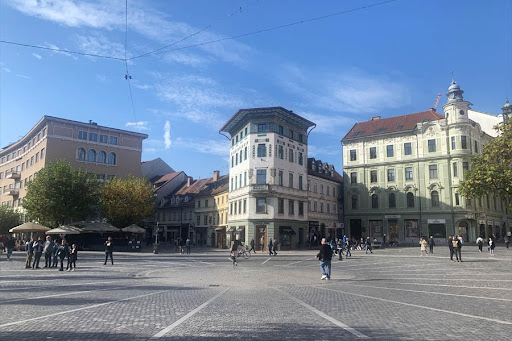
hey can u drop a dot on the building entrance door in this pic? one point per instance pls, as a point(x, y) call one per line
point(393, 231)
point(355, 229)
point(261, 237)
point(221, 239)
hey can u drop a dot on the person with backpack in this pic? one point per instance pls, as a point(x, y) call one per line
point(325, 257)
point(48, 250)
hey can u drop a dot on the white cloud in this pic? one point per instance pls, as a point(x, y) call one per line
point(55, 47)
point(5, 69)
point(205, 146)
point(167, 135)
point(334, 124)
point(22, 76)
point(100, 45)
point(38, 56)
point(141, 125)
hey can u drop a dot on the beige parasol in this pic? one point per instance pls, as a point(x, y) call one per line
point(134, 229)
point(29, 227)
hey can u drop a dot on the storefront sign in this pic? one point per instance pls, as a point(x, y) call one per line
point(436, 221)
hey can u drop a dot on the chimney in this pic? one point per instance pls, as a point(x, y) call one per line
point(189, 181)
point(375, 118)
point(216, 175)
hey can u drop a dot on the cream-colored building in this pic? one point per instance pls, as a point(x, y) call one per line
point(401, 176)
point(103, 151)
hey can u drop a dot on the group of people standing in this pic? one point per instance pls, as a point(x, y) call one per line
point(53, 252)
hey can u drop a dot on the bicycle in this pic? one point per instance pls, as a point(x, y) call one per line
point(244, 253)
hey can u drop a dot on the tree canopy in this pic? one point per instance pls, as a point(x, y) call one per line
point(9, 218)
point(491, 171)
point(127, 201)
point(59, 195)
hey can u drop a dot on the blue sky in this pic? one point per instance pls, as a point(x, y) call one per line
point(390, 59)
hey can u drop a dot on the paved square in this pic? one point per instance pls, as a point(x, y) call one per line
point(392, 294)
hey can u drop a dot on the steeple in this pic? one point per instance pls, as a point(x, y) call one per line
point(456, 109)
point(507, 110)
point(454, 93)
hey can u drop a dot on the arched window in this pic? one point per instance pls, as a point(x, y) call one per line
point(91, 155)
point(80, 154)
point(392, 200)
point(111, 158)
point(375, 201)
point(102, 157)
point(410, 199)
point(354, 202)
point(434, 197)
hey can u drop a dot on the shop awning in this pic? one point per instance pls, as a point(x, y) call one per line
point(286, 230)
point(232, 229)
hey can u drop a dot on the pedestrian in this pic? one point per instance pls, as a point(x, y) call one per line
point(63, 253)
point(348, 246)
point(109, 249)
point(274, 246)
point(73, 256)
point(252, 246)
point(30, 253)
point(431, 244)
point(452, 249)
point(423, 247)
point(10, 244)
point(507, 241)
point(270, 247)
point(480, 243)
point(457, 248)
point(55, 253)
point(47, 250)
point(339, 248)
point(384, 241)
point(176, 242)
point(492, 244)
point(187, 245)
point(234, 252)
point(38, 251)
point(368, 245)
point(325, 257)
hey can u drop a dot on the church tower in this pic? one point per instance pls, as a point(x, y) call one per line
point(507, 111)
point(456, 109)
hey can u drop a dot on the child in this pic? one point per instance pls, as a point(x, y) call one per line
point(73, 255)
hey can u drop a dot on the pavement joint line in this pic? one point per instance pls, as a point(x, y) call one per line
point(418, 306)
point(187, 316)
point(453, 286)
point(266, 260)
point(300, 261)
point(81, 308)
point(449, 279)
point(428, 292)
point(324, 315)
point(49, 286)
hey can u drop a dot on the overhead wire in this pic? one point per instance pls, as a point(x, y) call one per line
point(127, 76)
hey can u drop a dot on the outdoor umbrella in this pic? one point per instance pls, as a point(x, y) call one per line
point(95, 227)
point(134, 229)
point(63, 229)
point(29, 227)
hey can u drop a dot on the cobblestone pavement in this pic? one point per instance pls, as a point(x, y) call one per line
point(392, 294)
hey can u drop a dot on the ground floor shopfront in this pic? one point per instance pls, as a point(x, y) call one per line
point(408, 228)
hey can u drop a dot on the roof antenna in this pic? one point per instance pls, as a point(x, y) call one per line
point(453, 78)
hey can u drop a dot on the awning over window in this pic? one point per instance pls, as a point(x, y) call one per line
point(232, 229)
point(286, 230)
point(220, 228)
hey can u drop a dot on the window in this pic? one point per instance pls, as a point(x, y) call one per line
point(373, 176)
point(245, 205)
point(291, 207)
point(93, 137)
point(391, 174)
point(261, 176)
point(262, 128)
point(205, 220)
point(281, 152)
point(103, 138)
point(112, 158)
point(353, 178)
point(315, 206)
point(321, 188)
point(375, 201)
point(262, 150)
point(328, 208)
point(410, 199)
point(353, 155)
point(80, 155)
point(455, 170)
point(290, 180)
point(232, 187)
point(245, 178)
point(91, 155)
point(432, 171)
point(245, 131)
point(199, 204)
point(373, 152)
point(280, 178)
point(301, 208)
point(465, 168)
point(102, 157)
point(354, 202)
point(301, 160)
point(321, 207)
point(280, 205)
point(236, 181)
point(290, 155)
point(280, 130)
point(315, 188)
point(390, 151)
point(392, 200)
point(464, 142)
point(434, 197)
point(206, 203)
point(260, 205)
point(457, 199)
point(408, 148)
point(236, 159)
point(453, 142)
point(431, 146)
point(408, 173)
point(476, 146)
point(37, 157)
point(82, 135)
point(245, 153)
point(300, 182)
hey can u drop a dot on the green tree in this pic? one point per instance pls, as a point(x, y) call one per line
point(8, 219)
point(127, 201)
point(491, 171)
point(60, 195)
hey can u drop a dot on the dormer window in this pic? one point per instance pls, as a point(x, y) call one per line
point(186, 198)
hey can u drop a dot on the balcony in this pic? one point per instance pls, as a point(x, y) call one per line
point(13, 175)
point(12, 191)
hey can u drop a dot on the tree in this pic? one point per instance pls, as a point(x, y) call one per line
point(9, 218)
point(491, 171)
point(60, 195)
point(127, 201)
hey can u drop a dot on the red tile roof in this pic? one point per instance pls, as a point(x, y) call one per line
point(167, 177)
point(394, 124)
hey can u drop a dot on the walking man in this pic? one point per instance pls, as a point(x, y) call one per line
point(187, 245)
point(431, 244)
point(252, 246)
point(270, 246)
point(109, 248)
point(368, 245)
point(10, 247)
point(325, 256)
point(274, 246)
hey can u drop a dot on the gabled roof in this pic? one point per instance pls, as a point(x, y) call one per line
point(194, 188)
point(323, 170)
point(380, 126)
point(165, 179)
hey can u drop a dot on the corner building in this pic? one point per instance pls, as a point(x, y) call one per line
point(402, 174)
point(268, 176)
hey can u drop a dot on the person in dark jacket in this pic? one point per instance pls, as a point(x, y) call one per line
point(368, 245)
point(252, 246)
point(10, 244)
point(73, 256)
point(109, 249)
point(325, 257)
point(450, 246)
point(270, 247)
point(431, 244)
point(30, 253)
point(63, 253)
point(38, 251)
